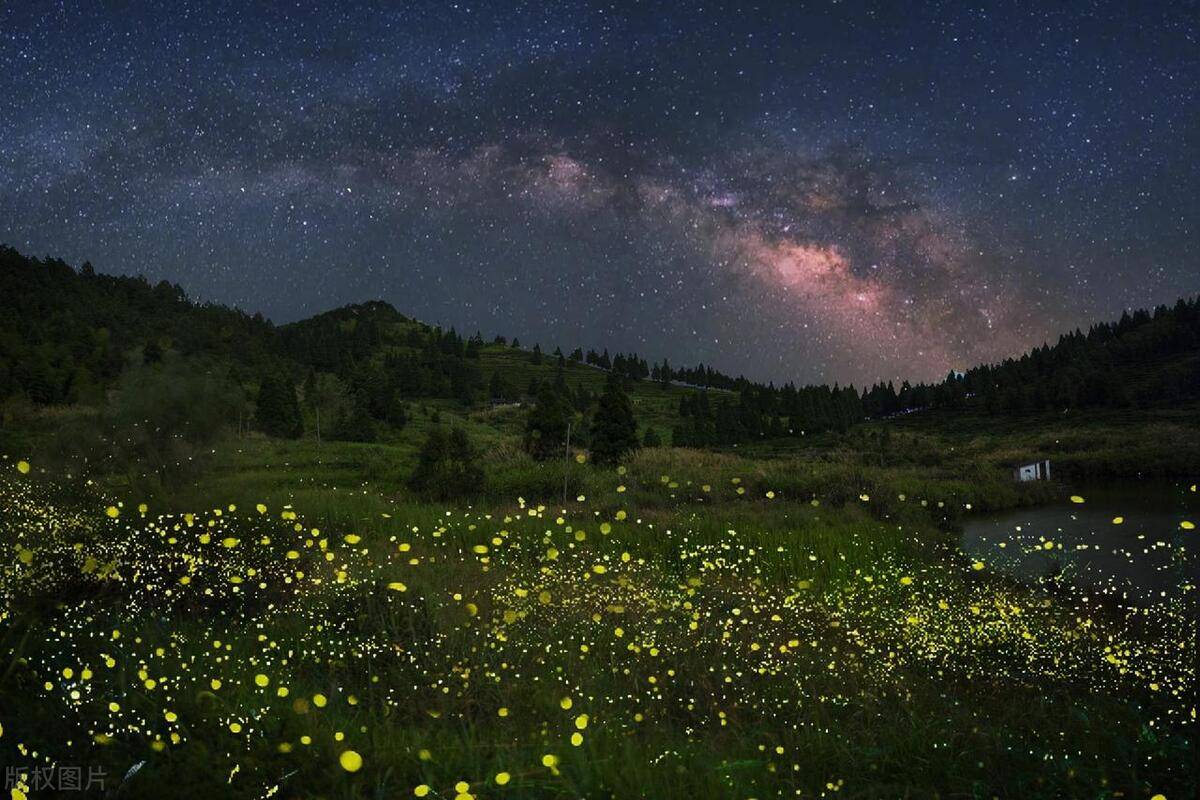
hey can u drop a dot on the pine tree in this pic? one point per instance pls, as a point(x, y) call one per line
point(546, 427)
point(499, 388)
point(278, 412)
point(614, 430)
point(446, 466)
point(356, 426)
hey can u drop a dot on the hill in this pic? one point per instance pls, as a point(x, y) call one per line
point(83, 353)
point(224, 576)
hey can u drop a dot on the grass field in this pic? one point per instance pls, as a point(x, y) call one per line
point(293, 622)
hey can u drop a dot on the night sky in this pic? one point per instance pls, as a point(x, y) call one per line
point(795, 191)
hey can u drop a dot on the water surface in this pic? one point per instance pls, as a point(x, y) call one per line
point(1124, 541)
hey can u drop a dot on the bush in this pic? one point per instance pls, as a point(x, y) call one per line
point(447, 468)
point(163, 415)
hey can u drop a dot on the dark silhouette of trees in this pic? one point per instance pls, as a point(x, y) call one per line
point(613, 429)
point(546, 425)
point(68, 337)
point(501, 388)
point(356, 425)
point(447, 468)
point(278, 411)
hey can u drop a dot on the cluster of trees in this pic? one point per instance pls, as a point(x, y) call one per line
point(278, 413)
point(759, 412)
point(699, 375)
point(1146, 358)
point(609, 429)
point(69, 337)
point(627, 365)
point(613, 430)
point(367, 362)
point(580, 398)
point(447, 467)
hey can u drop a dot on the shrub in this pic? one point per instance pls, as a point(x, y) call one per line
point(447, 467)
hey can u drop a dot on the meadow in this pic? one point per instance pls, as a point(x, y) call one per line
point(291, 621)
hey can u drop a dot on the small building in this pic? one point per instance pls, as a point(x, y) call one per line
point(1037, 471)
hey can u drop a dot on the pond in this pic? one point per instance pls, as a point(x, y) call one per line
point(1127, 542)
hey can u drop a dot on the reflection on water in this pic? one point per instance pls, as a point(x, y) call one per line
point(1128, 542)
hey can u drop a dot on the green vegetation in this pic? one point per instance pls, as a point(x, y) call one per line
point(331, 640)
point(447, 467)
point(614, 429)
point(357, 556)
point(278, 411)
point(66, 337)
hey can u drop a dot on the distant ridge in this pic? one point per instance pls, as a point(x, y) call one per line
point(66, 335)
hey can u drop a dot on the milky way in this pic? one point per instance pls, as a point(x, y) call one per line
point(823, 191)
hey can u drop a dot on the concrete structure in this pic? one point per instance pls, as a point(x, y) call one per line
point(1037, 471)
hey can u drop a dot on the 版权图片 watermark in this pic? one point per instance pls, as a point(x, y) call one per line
point(54, 778)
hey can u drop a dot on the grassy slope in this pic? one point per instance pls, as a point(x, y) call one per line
point(893, 689)
point(655, 404)
point(812, 664)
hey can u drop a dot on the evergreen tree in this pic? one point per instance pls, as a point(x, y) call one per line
point(499, 388)
point(278, 412)
point(651, 438)
point(546, 426)
point(614, 430)
point(447, 467)
point(583, 399)
point(356, 426)
point(326, 396)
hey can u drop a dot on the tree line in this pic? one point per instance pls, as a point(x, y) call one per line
point(69, 336)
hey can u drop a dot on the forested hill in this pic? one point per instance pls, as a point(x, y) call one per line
point(67, 336)
point(1147, 358)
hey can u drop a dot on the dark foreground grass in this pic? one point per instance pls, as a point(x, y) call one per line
point(694, 625)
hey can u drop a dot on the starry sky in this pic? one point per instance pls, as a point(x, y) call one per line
point(808, 191)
